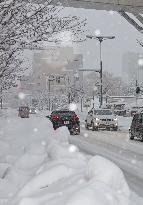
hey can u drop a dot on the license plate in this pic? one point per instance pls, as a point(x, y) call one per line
point(66, 122)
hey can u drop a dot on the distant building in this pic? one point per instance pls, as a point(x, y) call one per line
point(55, 71)
point(60, 63)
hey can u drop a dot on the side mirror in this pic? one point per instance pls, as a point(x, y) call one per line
point(140, 120)
point(48, 116)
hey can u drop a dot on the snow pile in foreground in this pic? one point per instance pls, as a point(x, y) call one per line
point(99, 180)
point(96, 188)
point(50, 171)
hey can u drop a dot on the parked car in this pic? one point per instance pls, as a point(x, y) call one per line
point(23, 112)
point(136, 129)
point(101, 118)
point(32, 110)
point(66, 118)
point(135, 110)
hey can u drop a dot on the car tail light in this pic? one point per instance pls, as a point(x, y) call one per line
point(55, 118)
point(75, 118)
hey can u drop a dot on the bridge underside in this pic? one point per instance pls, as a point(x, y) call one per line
point(131, 10)
point(115, 5)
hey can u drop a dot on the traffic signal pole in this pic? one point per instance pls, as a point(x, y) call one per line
point(1, 98)
point(136, 93)
point(101, 75)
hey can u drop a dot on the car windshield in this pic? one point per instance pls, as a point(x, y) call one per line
point(102, 112)
point(23, 108)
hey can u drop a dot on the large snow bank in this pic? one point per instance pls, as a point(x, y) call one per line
point(106, 186)
point(105, 171)
point(45, 179)
point(63, 161)
point(50, 171)
point(57, 151)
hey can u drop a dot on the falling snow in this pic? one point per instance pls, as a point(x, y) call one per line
point(72, 106)
point(21, 96)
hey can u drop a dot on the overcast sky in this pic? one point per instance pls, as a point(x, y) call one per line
point(108, 23)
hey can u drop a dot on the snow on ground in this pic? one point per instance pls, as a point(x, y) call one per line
point(38, 166)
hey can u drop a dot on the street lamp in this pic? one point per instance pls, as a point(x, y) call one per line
point(101, 39)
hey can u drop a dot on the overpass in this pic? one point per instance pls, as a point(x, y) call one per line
point(131, 10)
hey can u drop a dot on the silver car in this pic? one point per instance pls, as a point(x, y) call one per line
point(101, 119)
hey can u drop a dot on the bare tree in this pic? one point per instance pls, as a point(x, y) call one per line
point(140, 42)
point(25, 24)
point(111, 85)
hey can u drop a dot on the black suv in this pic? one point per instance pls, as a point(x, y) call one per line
point(136, 129)
point(23, 112)
point(66, 118)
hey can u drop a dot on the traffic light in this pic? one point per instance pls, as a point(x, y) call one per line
point(138, 90)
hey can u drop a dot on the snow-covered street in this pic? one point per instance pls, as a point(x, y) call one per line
point(128, 155)
point(116, 146)
point(39, 166)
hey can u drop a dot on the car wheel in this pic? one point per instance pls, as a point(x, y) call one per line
point(93, 127)
point(115, 128)
point(86, 126)
point(141, 137)
point(108, 128)
point(78, 133)
point(131, 136)
point(55, 127)
point(96, 128)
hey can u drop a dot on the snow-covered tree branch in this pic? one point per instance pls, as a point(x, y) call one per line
point(24, 24)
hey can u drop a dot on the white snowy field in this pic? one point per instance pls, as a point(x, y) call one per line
point(38, 166)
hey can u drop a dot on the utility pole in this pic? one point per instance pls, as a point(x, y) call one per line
point(100, 39)
point(101, 75)
point(48, 87)
point(136, 93)
point(1, 97)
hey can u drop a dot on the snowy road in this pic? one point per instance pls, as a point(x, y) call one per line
point(116, 146)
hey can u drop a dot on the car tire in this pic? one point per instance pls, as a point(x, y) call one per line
point(141, 136)
point(78, 132)
point(86, 126)
point(115, 128)
point(55, 127)
point(108, 128)
point(93, 127)
point(131, 136)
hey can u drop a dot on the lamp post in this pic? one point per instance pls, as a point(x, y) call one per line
point(100, 39)
point(1, 97)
